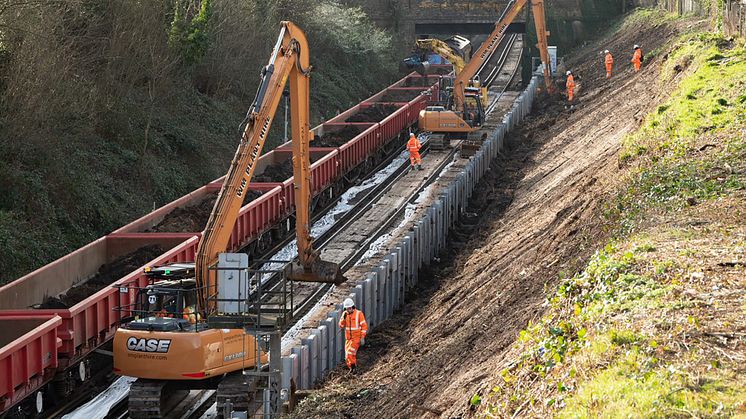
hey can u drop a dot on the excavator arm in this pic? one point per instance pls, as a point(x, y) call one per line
point(444, 50)
point(289, 61)
point(489, 46)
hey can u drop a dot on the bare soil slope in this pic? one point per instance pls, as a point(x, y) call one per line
point(537, 214)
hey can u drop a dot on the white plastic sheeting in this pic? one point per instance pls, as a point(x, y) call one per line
point(378, 245)
point(100, 405)
point(290, 251)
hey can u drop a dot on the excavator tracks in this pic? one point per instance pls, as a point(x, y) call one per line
point(148, 399)
point(240, 392)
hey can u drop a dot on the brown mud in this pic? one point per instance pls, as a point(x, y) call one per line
point(375, 113)
point(336, 138)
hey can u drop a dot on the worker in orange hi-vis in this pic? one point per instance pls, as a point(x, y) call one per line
point(609, 61)
point(637, 58)
point(570, 84)
point(413, 146)
point(355, 328)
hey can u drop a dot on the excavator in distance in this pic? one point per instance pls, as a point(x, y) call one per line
point(462, 119)
point(457, 50)
point(171, 345)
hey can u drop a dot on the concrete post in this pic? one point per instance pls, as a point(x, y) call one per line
point(367, 292)
point(323, 334)
point(313, 358)
point(332, 330)
point(372, 314)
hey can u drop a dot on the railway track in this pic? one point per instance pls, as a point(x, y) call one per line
point(497, 73)
point(503, 55)
point(488, 73)
point(195, 403)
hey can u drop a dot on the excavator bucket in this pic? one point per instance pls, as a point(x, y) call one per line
point(414, 63)
point(320, 271)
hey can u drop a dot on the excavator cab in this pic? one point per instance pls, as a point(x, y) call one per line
point(168, 302)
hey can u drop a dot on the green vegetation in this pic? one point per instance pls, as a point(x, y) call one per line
point(653, 327)
point(111, 108)
point(692, 147)
point(606, 348)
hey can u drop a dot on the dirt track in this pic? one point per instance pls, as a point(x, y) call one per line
point(536, 214)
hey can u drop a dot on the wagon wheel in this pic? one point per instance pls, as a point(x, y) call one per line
point(354, 175)
point(368, 165)
point(263, 243)
point(315, 204)
point(250, 250)
point(279, 231)
point(391, 146)
point(338, 187)
point(380, 156)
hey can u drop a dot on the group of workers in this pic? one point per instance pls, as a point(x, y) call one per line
point(636, 61)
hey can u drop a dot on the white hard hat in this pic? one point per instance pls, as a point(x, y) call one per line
point(606, 51)
point(569, 72)
point(348, 303)
point(637, 46)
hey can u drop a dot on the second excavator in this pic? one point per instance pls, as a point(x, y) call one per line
point(459, 118)
point(171, 345)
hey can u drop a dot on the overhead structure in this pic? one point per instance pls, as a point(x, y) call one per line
point(462, 118)
point(173, 341)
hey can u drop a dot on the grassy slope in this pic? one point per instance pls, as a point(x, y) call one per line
point(655, 325)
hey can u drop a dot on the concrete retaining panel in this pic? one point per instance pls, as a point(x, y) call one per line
point(385, 287)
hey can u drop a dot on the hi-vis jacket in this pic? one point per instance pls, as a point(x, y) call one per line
point(354, 325)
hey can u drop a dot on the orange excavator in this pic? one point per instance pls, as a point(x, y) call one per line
point(461, 118)
point(171, 344)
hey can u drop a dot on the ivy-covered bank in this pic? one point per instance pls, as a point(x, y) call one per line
point(111, 108)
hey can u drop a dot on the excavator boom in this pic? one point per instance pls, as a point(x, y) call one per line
point(289, 60)
point(489, 46)
point(463, 118)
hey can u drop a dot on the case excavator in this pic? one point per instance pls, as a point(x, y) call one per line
point(462, 115)
point(170, 345)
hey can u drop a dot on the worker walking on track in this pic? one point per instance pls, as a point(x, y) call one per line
point(609, 61)
point(355, 328)
point(637, 58)
point(570, 84)
point(413, 146)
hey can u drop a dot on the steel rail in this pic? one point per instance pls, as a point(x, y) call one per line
point(309, 302)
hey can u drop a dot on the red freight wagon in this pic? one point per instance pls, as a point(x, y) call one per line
point(28, 355)
point(342, 116)
point(393, 124)
point(356, 149)
point(152, 219)
point(324, 166)
point(353, 153)
point(259, 215)
point(92, 321)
